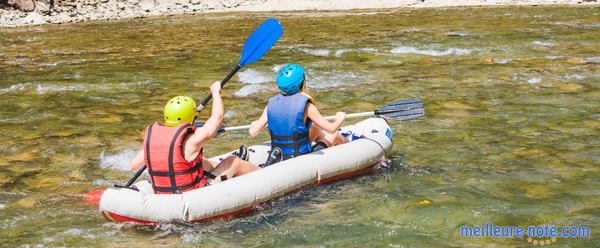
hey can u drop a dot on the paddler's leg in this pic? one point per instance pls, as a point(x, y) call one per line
point(231, 167)
point(316, 134)
point(208, 164)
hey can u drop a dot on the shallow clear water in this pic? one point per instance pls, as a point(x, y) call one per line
point(511, 135)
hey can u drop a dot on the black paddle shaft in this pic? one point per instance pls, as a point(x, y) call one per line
point(209, 97)
point(132, 180)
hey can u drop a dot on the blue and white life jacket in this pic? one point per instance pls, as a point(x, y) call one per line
point(286, 124)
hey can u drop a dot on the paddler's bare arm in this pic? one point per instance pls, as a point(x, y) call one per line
point(212, 125)
point(138, 161)
point(259, 125)
point(320, 121)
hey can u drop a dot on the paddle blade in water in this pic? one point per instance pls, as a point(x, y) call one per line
point(402, 110)
point(93, 197)
point(263, 38)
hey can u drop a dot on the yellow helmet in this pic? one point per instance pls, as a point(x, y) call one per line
point(178, 110)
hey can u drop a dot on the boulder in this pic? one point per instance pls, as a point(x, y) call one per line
point(147, 5)
point(43, 7)
point(68, 3)
point(25, 5)
point(34, 18)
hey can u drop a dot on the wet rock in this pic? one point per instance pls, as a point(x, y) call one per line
point(3, 162)
point(446, 123)
point(24, 156)
point(5, 180)
point(456, 105)
point(576, 60)
point(533, 152)
point(488, 61)
point(571, 87)
point(67, 159)
point(25, 203)
point(110, 119)
point(592, 124)
point(32, 136)
point(63, 133)
point(89, 140)
point(45, 182)
point(539, 191)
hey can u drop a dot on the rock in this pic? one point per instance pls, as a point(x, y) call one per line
point(62, 18)
point(25, 203)
point(25, 5)
point(571, 87)
point(110, 119)
point(576, 60)
point(24, 156)
point(531, 152)
point(194, 2)
point(67, 3)
point(121, 5)
point(456, 105)
point(147, 5)
point(63, 133)
point(42, 7)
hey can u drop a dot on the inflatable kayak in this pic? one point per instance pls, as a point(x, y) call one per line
point(369, 139)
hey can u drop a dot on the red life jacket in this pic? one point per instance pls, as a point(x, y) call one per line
point(170, 172)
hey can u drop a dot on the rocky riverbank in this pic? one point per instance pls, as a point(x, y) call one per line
point(35, 12)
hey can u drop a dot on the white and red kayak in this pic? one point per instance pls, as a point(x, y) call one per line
point(371, 140)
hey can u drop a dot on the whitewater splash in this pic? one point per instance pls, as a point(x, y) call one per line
point(40, 88)
point(255, 82)
point(118, 161)
point(322, 80)
point(250, 76)
point(575, 77)
point(340, 52)
point(501, 61)
point(535, 80)
point(595, 60)
point(431, 52)
point(250, 90)
point(543, 43)
point(316, 52)
point(457, 33)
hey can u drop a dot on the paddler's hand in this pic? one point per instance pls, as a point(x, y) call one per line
point(215, 88)
point(340, 116)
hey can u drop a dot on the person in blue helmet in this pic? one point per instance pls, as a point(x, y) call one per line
point(293, 120)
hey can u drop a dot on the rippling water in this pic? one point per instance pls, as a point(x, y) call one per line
point(511, 135)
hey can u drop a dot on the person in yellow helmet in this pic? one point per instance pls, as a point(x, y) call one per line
point(172, 150)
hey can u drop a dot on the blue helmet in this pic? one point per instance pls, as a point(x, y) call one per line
point(290, 78)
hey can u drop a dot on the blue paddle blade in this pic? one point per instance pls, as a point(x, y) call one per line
point(263, 38)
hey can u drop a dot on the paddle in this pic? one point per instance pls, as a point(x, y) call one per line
point(257, 44)
point(400, 110)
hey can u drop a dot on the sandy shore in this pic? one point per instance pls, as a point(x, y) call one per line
point(37, 12)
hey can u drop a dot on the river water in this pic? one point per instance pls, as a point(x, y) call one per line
point(511, 134)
